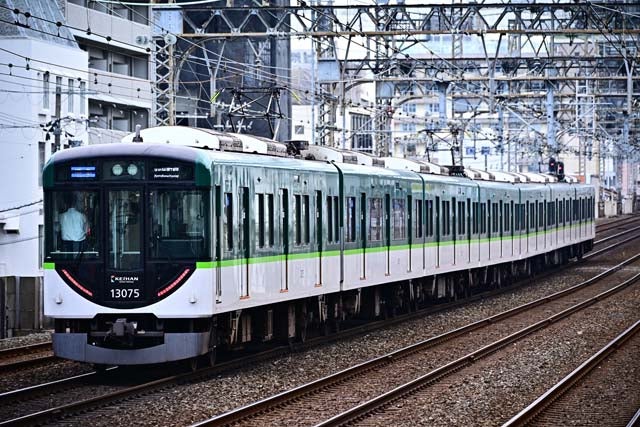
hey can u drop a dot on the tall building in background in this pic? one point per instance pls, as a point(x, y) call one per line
point(86, 81)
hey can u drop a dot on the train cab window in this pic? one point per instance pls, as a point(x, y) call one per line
point(73, 224)
point(375, 219)
point(350, 232)
point(125, 229)
point(399, 219)
point(179, 224)
point(418, 219)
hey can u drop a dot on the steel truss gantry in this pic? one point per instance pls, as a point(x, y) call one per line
point(534, 60)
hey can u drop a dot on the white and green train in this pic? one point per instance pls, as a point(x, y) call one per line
point(189, 242)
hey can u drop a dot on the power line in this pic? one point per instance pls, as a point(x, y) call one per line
point(21, 206)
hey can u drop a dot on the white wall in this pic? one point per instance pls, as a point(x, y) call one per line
point(21, 112)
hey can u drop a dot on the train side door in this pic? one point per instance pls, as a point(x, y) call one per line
point(387, 230)
point(245, 239)
point(284, 212)
point(218, 241)
point(319, 234)
point(409, 227)
point(363, 234)
point(437, 221)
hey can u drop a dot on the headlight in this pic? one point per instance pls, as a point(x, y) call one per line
point(117, 170)
point(132, 169)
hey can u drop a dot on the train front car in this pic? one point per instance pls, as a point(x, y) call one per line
point(128, 253)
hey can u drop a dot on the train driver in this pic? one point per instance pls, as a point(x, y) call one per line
point(73, 225)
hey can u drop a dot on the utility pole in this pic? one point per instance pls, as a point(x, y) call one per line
point(57, 130)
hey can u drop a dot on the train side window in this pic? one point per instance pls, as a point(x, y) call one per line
point(418, 219)
point(270, 219)
point(481, 218)
point(541, 223)
point(228, 219)
point(260, 219)
point(297, 219)
point(330, 219)
point(494, 217)
point(399, 218)
point(306, 219)
point(430, 218)
point(506, 217)
point(516, 219)
point(461, 218)
point(474, 210)
point(446, 216)
point(375, 219)
point(351, 220)
point(336, 219)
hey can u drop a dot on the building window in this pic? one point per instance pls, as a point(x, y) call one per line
point(45, 90)
point(361, 131)
point(83, 97)
point(299, 129)
point(408, 127)
point(106, 116)
point(70, 95)
point(117, 62)
point(41, 154)
point(409, 108)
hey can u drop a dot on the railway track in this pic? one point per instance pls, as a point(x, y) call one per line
point(368, 388)
point(24, 357)
point(123, 393)
point(563, 401)
point(616, 223)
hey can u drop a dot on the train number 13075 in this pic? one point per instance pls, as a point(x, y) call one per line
point(125, 293)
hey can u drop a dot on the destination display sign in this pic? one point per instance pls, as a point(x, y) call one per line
point(171, 171)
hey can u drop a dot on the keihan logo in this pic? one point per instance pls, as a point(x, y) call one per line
point(123, 279)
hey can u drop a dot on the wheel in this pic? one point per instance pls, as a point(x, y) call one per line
point(192, 364)
point(100, 368)
point(212, 356)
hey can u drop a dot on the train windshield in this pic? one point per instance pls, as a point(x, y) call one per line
point(75, 230)
point(179, 224)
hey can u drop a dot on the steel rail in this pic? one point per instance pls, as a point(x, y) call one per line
point(529, 413)
point(24, 350)
point(616, 223)
point(606, 239)
point(246, 412)
point(27, 363)
point(44, 388)
point(363, 410)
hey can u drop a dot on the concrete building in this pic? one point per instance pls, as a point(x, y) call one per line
point(97, 94)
